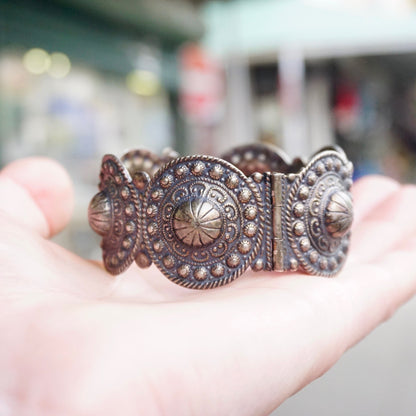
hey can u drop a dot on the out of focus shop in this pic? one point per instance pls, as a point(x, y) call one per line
point(79, 79)
point(307, 73)
point(82, 78)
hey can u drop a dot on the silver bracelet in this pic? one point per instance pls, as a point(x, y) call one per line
point(204, 220)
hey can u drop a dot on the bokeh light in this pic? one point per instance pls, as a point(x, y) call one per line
point(142, 82)
point(36, 61)
point(60, 65)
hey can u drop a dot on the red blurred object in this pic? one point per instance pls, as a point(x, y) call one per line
point(202, 85)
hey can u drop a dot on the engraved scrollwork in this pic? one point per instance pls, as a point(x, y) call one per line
point(323, 243)
point(197, 189)
point(168, 232)
point(117, 207)
point(219, 250)
point(167, 210)
point(179, 249)
point(179, 194)
point(314, 207)
point(231, 212)
point(118, 227)
point(200, 256)
point(315, 227)
point(321, 189)
point(217, 194)
point(111, 189)
point(232, 232)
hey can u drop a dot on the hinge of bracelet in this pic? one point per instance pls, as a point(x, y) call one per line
point(278, 181)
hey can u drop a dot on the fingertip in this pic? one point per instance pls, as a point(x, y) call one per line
point(49, 185)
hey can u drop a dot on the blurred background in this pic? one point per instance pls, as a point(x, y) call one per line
point(82, 78)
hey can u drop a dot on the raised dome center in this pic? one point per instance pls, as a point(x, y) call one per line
point(339, 214)
point(197, 222)
point(99, 214)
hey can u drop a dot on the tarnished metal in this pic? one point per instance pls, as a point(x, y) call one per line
point(114, 213)
point(278, 180)
point(204, 220)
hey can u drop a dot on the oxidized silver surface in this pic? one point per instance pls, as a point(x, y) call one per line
point(319, 214)
point(142, 160)
point(114, 213)
point(204, 220)
point(261, 158)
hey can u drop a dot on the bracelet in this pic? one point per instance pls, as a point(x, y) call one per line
point(204, 220)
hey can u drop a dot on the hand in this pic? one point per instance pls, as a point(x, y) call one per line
point(76, 341)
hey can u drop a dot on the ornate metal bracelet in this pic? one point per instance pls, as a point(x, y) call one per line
point(204, 220)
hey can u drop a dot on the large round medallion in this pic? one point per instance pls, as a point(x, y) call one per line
point(203, 221)
point(319, 214)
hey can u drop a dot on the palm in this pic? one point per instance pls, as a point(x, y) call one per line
point(77, 341)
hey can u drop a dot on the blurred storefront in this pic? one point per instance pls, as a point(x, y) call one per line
point(307, 73)
point(81, 79)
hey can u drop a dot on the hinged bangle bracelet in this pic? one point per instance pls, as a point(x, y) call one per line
point(204, 220)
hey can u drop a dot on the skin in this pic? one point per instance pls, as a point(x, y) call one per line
point(76, 341)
